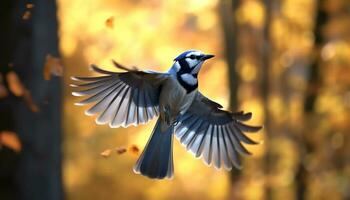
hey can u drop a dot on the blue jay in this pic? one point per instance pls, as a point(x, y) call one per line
point(135, 97)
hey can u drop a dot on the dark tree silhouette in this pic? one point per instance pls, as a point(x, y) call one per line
point(37, 174)
point(312, 91)
point(265, 53)
point(227, 10)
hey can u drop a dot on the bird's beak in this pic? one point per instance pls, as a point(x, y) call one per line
point(206, 57)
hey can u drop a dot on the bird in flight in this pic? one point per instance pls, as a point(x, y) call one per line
point(135, 97)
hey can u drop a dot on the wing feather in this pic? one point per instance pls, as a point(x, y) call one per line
point(224, 150)
point(120, 98)
point(214, 134)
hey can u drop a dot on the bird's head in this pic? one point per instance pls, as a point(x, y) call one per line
point(186, 67)
point(190, 62)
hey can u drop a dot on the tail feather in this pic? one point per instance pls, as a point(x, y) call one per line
point(156, 160)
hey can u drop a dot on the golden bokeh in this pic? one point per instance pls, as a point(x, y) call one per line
point(146, 34)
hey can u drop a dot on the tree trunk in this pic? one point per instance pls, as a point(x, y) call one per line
point(312, 91)
point(229, 26)
point(265, 52)
point(38, 171)
point(227, 10)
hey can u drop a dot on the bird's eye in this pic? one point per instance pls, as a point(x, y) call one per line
point(192, 57)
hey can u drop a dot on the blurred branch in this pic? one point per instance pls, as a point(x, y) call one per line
point(312, 92)
point(227, 10)
point(314, 77)
point(265, 53)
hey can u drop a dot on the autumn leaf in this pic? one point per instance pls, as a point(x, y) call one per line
point(53, 66)
point(106, 153)
point(10, 140)
point(26, 15)
point(29, 5)
point(3, 89)
point(134, 149)
point(28, 100)
point(18, 89)
point(15, 84)
point(120, 150)
point(110, 22)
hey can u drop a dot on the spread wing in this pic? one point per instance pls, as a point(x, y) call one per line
point(120, 98)
point(214, 134)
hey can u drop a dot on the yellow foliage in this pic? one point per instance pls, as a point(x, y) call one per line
point(246, 69)
point(251, 12)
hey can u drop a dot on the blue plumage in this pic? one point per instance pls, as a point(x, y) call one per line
point(156, 160)
point(135, 97)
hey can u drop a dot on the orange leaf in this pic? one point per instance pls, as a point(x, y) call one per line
point(29, 5)
point(134, 149)
point(26, 15)
point(10, 140)
point(27, 97)
point(106, 153)
point(19, 90)
point(120, 150)
point(110, 22)
point(15, 84)
point(3, 89)
point(53, 66)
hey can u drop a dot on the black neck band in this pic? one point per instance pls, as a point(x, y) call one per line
point(185, 69)
point(188, 87)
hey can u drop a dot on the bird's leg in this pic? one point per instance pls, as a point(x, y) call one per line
point(164, 114)
point(165, 117)
point(167, 114)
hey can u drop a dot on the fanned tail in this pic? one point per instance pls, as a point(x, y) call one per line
point(156, 160)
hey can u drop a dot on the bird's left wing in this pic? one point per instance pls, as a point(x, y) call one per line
point(121, 98)
point(214, 134)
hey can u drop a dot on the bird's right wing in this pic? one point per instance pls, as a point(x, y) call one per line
point(214, 134)
point(121, 98)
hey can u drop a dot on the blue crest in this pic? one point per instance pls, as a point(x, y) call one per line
point(183, 55)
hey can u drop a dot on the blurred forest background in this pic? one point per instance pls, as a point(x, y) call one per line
point(287, 61)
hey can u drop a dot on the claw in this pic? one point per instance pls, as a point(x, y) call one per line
point(167, 114)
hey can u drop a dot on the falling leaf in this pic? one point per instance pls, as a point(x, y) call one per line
point(134, 149)
point(26, 15)
point(110, 22)
point(120, 150)
point(106, 153)
point(15, 84)
point(10, 140)
point(53, 66)
point(3, 89)
point(28, 100)
point(18, 89)
point(1, 79)
point(29, 5)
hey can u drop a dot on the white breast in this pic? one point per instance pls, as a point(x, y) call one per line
point(175, 96)
point(189, 79)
